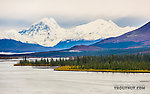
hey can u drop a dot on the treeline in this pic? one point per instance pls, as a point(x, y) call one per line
point(114, 62)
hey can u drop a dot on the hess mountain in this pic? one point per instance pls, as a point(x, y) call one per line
point(47, 32)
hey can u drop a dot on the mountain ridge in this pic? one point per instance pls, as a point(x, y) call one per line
point(137, 38)
point(47, 32)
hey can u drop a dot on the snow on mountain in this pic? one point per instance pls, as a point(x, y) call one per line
point(138, 38)
point(99, 29)
point(47, 32)
point(13, 34)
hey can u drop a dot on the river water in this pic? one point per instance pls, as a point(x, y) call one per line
point(29, 80)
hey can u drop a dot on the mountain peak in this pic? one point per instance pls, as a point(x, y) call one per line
point(103, 22)
point(42, 27)
point(100, 21)
point(48, 21)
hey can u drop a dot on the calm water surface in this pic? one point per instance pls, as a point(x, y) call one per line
point(28, 80)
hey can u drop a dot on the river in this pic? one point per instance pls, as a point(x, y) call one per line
point(29, 80)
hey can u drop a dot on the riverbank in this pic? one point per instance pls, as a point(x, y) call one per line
point(69, 68)
point(76, 68)
point(72, 68)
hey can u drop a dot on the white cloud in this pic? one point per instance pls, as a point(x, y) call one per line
point(35, 9)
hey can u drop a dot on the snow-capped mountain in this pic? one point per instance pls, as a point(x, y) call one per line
point(47, 32)
point(138, 38)
point(13, 34)
point(99, 29)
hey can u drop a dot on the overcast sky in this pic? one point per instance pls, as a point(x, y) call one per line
point(74, 12)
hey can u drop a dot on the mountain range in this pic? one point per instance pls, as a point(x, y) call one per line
point(133, 42)
point(48, 33)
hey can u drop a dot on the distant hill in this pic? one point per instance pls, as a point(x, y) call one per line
point(9, 45)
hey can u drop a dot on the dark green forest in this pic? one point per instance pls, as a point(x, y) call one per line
point(114, 62)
